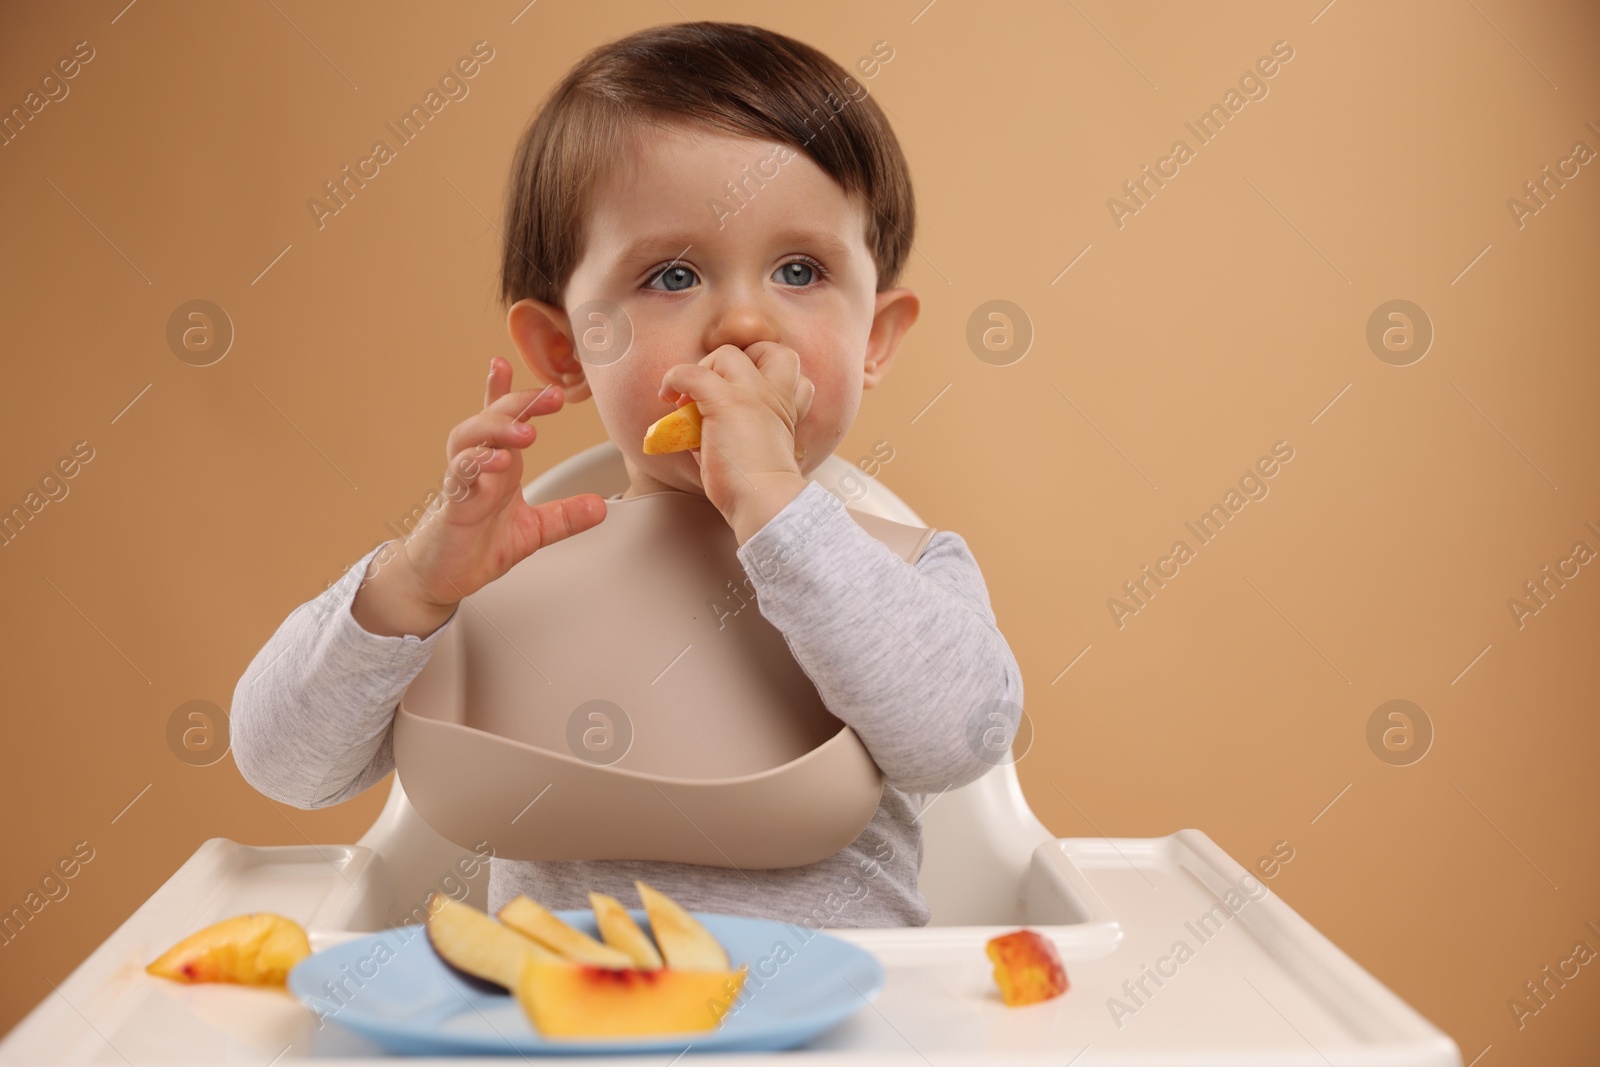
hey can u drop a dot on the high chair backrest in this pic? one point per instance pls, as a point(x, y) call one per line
point(977, 840)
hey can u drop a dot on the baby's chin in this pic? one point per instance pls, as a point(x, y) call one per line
point(695, 484)
point(673, 471)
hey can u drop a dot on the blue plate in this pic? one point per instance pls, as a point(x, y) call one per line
point(393, 989)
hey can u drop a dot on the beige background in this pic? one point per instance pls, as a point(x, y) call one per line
point(1226, 315)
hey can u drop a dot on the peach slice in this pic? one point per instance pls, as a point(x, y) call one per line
point(566, 999)
point(471, 941)
point(618, 930)
point(674, 432)
point(1026, 967)
point(527, 916)
point(686, 944)
point(255, 949)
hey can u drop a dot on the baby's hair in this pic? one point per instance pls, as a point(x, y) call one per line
point(738, 79)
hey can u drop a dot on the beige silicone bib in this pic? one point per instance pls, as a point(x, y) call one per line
point(618, 695)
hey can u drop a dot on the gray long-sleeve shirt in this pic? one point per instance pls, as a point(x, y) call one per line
point(909, 656)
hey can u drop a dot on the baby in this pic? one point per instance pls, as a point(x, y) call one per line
point(736, 199)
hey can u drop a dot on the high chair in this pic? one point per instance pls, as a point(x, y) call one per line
point(1270, 990)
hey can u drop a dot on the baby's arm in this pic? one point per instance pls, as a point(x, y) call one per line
point(909, 656)
point(311, 715)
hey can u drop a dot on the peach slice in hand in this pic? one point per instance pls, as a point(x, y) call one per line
point(565, 999)
point(1027, 967)
point(527, 916)
point(470, 940)
point(255, 949)
point(674, 432)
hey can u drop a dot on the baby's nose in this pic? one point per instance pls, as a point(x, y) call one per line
point(741, 321)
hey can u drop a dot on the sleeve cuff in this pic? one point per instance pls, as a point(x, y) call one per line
point(793, 531)
point(351, 634)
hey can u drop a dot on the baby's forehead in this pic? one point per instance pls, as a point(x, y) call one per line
point(647, 145)
point(689, 177)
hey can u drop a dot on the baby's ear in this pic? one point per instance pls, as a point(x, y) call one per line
point(543, 336)
point(895, 311)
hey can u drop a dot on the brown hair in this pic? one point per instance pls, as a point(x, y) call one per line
point(739, 79)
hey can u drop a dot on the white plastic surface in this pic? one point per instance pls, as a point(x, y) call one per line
point(1261, 987)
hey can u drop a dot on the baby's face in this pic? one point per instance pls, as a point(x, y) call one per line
point(791, 265)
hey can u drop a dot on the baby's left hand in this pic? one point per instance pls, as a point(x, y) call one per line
point(750, 402)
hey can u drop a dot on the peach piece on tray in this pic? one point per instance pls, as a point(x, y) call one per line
point(255, 949)
point(1026, 967)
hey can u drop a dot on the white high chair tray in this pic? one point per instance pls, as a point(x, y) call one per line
point(1257, 986)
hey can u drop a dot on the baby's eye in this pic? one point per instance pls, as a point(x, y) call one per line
point(799, 272)
point(674, 279)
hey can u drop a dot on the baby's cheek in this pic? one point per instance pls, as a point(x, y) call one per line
point(837, 398)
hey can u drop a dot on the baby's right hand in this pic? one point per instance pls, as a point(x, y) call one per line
point(481, 527)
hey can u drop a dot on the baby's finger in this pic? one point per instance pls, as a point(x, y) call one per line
point(489, 428)
point(805, 393)
point(525, 403)
point(775, 361)
point(557, 520)
point(780, 366)
point(467, 465)
point(696, 381)
point(734, 364)
point(499, 380)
